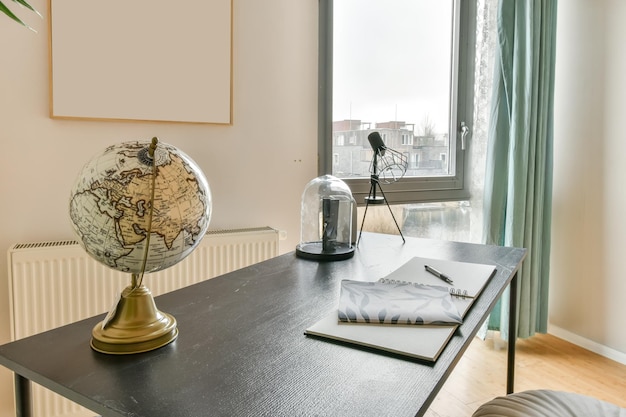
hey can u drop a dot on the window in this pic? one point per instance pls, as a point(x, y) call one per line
point(403, 68)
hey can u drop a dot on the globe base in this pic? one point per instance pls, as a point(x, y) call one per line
point(134, 325)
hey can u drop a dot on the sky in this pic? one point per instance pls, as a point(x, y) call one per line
point(391, 61)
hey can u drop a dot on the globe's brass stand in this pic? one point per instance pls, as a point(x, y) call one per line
point(135, 325)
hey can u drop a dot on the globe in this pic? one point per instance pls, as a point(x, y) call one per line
point(140, 206)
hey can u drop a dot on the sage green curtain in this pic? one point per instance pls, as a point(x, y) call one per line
point(518, 179)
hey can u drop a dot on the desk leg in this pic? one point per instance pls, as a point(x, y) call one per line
point(510, 371)
point(22, 397)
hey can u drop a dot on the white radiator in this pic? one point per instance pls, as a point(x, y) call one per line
point(55, 283)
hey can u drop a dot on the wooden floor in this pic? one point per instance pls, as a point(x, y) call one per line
point(542, 362)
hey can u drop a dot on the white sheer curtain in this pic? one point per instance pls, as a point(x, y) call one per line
point(486, 38)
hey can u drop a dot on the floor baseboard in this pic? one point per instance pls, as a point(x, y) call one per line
point(588, 344)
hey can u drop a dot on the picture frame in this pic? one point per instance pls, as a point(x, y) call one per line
point(146, 60)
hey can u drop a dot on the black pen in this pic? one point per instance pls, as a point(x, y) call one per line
point(438, 274)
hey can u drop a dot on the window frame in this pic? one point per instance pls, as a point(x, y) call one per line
point(408, 189)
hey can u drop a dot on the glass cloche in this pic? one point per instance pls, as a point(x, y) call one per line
point(327, 228)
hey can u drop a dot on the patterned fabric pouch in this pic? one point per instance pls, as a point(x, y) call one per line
point(396, 303)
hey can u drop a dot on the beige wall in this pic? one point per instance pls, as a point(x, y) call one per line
point(257, 168)
point(588, 282)
point(274, 138)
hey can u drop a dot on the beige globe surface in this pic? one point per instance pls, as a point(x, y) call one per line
point(139, 211)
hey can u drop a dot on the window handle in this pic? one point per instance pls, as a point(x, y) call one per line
point(464, 132)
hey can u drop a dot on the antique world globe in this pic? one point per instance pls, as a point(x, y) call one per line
point(139, 207)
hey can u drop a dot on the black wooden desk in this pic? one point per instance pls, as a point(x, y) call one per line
point(241, 350)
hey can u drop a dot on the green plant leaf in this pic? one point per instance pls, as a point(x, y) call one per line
point(4, 9)
point(28, 6)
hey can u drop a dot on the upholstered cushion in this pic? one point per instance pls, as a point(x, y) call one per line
point(545, 403)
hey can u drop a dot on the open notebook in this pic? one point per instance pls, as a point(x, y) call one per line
point(423, 342)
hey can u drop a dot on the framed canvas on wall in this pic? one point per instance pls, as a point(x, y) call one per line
point(151, 60)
